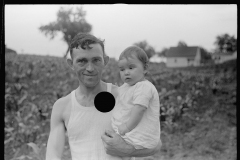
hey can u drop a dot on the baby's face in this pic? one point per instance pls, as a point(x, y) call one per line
point(131, 70)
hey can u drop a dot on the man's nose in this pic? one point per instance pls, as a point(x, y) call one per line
point(90, 67)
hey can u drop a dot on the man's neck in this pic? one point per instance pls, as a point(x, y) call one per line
point(91, 91)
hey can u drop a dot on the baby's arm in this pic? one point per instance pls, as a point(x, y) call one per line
point(135, 117)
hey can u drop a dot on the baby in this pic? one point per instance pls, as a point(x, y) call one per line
point(136, 114)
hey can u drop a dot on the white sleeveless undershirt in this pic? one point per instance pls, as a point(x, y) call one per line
point(85, 127)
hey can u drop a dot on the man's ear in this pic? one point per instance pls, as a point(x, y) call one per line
point(106, 60)
point(70, 63)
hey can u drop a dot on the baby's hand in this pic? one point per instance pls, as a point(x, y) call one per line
point(122, 129)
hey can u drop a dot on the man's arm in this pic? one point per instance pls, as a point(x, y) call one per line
point(146, 152)
point(116, 146)
point(56, 138)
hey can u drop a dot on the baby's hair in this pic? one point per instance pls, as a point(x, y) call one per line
point(83, 40)
point(138, 52)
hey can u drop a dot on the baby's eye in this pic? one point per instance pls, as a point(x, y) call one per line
point(132, 67)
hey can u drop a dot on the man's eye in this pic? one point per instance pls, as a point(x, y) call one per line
point(81, 61)
point(97, 60)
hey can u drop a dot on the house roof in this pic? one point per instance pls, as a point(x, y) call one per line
point(9, 50)
point(182, 52)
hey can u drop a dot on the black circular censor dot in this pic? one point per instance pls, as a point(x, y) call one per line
point(104, 101)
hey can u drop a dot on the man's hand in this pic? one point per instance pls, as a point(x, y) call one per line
point(115, 145)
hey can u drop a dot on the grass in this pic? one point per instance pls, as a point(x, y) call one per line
point(207, 132)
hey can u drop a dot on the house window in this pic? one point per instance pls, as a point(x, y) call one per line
point(190, 62)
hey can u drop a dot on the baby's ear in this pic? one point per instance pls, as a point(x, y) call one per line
point(146, 66)
point(146, 69)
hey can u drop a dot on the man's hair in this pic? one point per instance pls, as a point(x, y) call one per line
point(83, 40)
point(138, 52)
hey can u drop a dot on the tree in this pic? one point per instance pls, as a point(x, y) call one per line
point(146, 47)
point(205, 56)
point(182, 44)
point(163, 52)
point(226, 43)
point(69, 23)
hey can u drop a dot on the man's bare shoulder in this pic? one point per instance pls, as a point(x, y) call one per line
point(62, 103)
point(62, 109)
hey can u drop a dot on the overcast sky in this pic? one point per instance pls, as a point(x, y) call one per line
point(122, 25)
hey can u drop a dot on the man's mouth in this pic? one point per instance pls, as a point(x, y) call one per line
point(89, 75)
point(127, 79)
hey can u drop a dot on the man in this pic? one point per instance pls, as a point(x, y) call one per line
point(89, 131)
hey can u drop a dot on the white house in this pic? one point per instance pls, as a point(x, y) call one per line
point(223, 57)
point(156, 59)
point(183, 56)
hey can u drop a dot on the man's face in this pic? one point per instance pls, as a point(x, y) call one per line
point(88, 64)
point(131, 70)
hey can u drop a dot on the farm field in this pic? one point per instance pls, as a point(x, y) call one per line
point(198, 107)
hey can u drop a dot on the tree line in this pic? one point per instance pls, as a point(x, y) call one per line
point(70, 22)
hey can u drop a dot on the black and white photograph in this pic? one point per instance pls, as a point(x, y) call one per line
point(120, 81)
